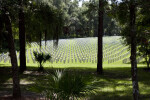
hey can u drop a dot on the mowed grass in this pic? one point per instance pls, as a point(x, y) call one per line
point(114, 84)
point(77, 51)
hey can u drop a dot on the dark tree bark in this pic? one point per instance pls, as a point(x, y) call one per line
point(148, 65)
point(45, 38)
point(133, 51)
point(41, 67)
point(40, 40)
point(12, 51)
point(22, 38)
point(100, 38)
point(147, 61)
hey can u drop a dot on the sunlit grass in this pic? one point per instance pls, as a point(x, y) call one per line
point(114, 84)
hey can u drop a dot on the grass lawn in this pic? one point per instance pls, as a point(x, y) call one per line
point(114, 84)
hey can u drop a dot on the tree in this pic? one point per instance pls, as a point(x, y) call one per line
point(143, 31)
point(126, 14)
point(100, 9)
point(22, 37)
point(15, 75)
point(100, 37)
point(132, 11)
point(144, 46)
point(43, 18)
point(105, 22)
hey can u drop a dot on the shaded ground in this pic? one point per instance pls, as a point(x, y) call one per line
point(114, 84)
point(24, 97)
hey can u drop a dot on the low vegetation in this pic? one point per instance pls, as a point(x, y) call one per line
point(41, 58)
point(114, 83)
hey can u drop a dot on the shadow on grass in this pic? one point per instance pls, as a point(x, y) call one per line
point(114, 84)
point(5, 76)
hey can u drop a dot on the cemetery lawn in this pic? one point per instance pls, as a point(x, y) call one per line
point(80, 55)
point(114, 84)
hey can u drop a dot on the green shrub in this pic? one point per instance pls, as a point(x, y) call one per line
point(41, 58)
point(62, 85)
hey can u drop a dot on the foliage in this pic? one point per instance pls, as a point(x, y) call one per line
point(11, 7)
point(41, 17)
point(111, 26)
point(62, 85)
point(41, 58)
point(144, 47)
point(142, 26)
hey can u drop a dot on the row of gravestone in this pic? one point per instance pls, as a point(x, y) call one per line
point(76, 58)
point(80, 55)
point(115, 59)
point(81, 51)
point(127, 60)
point(83, 57)
point(116, 54)
point(4, 57)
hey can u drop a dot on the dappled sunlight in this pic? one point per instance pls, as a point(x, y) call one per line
point(115, 83)
point(75, 49)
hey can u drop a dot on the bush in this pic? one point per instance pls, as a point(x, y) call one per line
point(41, 58)
point(62, 85)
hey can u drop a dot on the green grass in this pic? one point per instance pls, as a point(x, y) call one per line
point(84, 47)
point(114, 84)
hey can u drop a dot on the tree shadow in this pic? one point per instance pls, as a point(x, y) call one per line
point(112, 79)
point(5, 80)
point(5, 74)
point(114, 84)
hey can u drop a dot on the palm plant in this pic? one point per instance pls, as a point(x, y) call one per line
point(62, 85)
point(41, 58)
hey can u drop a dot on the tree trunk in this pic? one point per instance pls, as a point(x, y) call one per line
point(148, 63)
point(45, 38)
point(100, 38)
point(12, 51)
point(41, 67)
point(22, 38)
point(40, 41)
point(133, 51)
